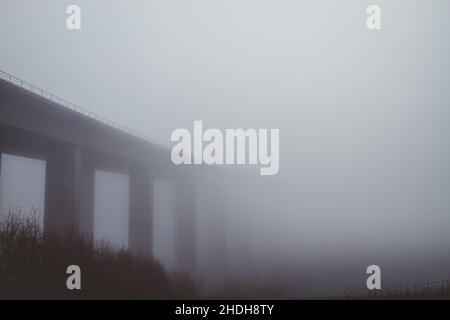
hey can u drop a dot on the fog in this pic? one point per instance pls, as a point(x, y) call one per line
point(363, 118)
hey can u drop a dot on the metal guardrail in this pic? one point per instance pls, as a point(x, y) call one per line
point(54, 98)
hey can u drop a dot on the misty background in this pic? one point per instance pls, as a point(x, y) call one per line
point(363, 116)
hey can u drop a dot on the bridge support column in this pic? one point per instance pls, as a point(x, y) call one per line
point(186, 236)
point(66, 194)
point(140, 234)
point(87, 199)
point(1, 205)
point(216, 234)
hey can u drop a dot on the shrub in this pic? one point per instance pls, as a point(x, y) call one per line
point(33, 266)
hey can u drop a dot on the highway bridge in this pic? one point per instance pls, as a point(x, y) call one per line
point(74, 143)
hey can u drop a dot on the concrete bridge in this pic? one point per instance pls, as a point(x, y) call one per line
point(74, 143)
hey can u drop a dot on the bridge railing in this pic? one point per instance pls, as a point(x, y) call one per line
point(54, 98)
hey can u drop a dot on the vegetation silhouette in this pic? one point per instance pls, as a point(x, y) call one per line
point(33, 266)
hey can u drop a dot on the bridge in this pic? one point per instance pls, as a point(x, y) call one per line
point(74, 143)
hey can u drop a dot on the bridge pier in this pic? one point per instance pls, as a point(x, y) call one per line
point(140, 235)
point(67, 190)
point(185, 232)
point(87, 194)
point(216, 233)
point(1, 205)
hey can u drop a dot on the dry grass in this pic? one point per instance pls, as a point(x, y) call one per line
point(33, 266)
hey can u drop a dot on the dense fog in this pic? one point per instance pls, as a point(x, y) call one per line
point(363, 116)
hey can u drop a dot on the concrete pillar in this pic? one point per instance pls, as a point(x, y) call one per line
point(1, 205)
point(140, 234)
point(68, 191)
point(216, 235)
point(62, 189)
point(185, 223)
point(87, 198)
